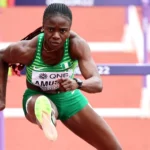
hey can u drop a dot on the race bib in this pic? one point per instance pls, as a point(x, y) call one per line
point(49, 80)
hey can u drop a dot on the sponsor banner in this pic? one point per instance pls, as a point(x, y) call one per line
point(117, 2)
point(72, 2)
point(81, 2)
point(47, 2)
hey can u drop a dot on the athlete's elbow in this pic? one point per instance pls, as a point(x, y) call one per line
point(100, 86)
point(97, 88)
point(118, 147)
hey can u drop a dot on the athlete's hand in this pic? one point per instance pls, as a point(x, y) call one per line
point(2, 105)
point(67, 84)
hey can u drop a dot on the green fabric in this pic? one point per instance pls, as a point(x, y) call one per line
point(67, 103)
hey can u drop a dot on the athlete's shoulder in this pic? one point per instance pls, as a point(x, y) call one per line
point(74, 37)
point(33, 42)
point(76, 41)
point(78, 45)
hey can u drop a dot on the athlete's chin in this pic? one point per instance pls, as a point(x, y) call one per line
point(55, 45)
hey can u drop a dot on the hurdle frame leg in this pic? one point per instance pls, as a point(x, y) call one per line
point(145, 98)
point(2, 131)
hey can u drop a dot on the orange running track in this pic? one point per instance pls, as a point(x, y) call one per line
point(94, 24)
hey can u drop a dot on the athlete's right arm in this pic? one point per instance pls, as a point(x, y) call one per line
point(15, 53)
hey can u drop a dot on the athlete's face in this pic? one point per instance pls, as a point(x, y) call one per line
point(56, 30)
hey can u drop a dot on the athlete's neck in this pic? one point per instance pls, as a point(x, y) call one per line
point(49, 49)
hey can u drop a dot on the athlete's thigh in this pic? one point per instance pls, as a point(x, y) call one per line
point(92, 128)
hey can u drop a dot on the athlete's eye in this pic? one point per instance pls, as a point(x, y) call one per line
point(63, 30)
point(51, 29)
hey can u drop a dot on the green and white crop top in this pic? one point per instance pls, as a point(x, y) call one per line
point(45, 76)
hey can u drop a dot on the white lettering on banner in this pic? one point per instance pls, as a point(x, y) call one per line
point(103, 70)
point(72, 2)
point(49, 80)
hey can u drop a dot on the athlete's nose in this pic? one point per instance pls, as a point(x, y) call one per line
point(56, 36)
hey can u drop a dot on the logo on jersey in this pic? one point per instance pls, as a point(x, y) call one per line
point(43, 76)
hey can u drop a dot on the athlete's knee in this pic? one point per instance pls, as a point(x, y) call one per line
point(114, 146)
point(110, 145)
point(118, 147)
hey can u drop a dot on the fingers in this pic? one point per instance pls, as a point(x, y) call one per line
point(64, 84)
point(68, 84)
point(68, 87)
point(60, 81)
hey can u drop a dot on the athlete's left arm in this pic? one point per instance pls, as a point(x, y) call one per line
point(82, 52)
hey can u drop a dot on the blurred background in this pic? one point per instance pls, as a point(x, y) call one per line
point(117, 33)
